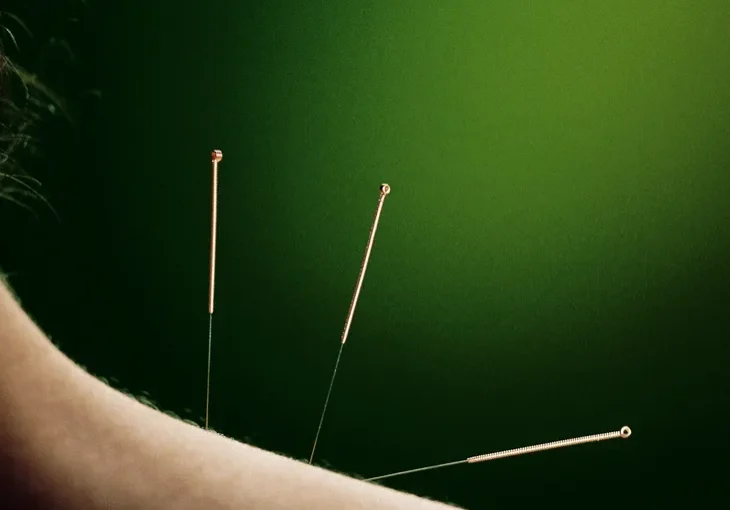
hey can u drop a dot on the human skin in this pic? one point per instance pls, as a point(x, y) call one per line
point(69, 441)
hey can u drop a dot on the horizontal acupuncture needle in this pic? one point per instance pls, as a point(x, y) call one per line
point(624, 433)
point(216, 157)
point(384, 191)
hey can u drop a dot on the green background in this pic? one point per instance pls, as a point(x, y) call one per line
point(551, 262)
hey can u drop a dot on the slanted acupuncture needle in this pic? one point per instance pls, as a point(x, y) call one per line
point(216, 157)
point(384, 191)
point(624, 433)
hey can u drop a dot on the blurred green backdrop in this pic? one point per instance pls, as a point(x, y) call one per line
point(552, 260)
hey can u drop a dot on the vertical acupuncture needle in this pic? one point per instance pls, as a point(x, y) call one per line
point(624, 433)
point(384, 191)
point(216, 156)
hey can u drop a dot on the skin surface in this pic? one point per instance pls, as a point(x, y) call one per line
point(69, 441)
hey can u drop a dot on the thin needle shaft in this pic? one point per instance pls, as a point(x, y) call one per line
point(207, 385)
point(217, 156)
point(417, 470)
point(384, 191)
point(624, 433)
point(326, 402)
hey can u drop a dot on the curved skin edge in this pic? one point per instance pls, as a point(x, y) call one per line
point(69, 441)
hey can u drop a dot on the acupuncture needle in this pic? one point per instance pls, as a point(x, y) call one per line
point(384, 192)
point(624, 433)
point(216, 157)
